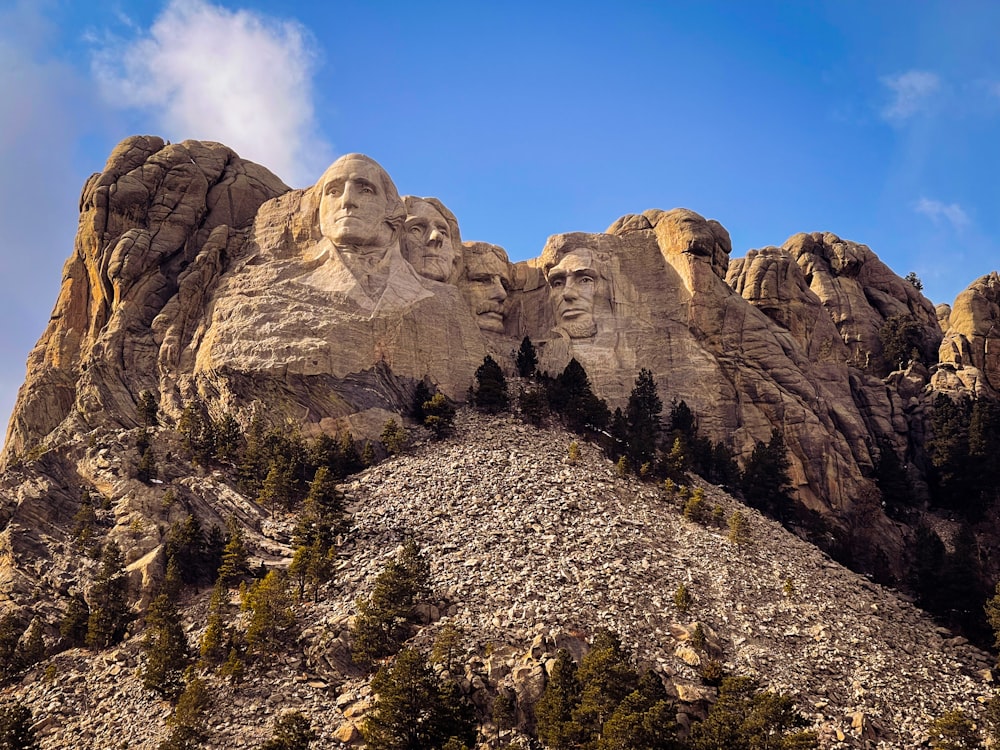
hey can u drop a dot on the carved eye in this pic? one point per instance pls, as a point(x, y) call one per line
point(415, 229)
point(333, 188)
point(586, 279)
point(558, 283)
point(368, 189)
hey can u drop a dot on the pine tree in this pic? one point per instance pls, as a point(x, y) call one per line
point(744, 716)
point(73, 626)
point(271, 617)
point(439, 415)
point(504, 712)
point(953, 730)
point(213, 641)
point(166, 648)
point(533, 405)
point(11, 630)
point(901, 337)
point(490, 394)
point(554, 710)
point(109, 613)
point(570, 395)
point(393, 437)
point(148, 409)
point(234, 566)
point(526, 359)
point(16, 731)
point(766, 483)
point(384, 617)
point(228, 438)
point(448, 647)
point(643, 420)
point(421, 395)
point(84, 521)
point(606, 676)
point(146, 470)
point(276, 492)
point(415, 711)
point(188, 719)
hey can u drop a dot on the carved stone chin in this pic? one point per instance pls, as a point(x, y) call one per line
point(583, 329)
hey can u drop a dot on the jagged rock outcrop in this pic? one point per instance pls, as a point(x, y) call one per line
point(860, 293)
point(153, 226)
point(970, 351)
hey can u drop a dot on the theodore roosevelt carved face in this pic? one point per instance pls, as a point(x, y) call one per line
point(430, 238)
point(486, 283)
point(573, 284)
point(360, 209)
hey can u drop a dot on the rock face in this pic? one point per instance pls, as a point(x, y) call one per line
point(155, 229)
point(970, 351)
point(199, 275)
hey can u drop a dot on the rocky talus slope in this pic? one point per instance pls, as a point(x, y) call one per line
point(530, 551)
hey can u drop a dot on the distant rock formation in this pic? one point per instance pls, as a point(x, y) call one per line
point(199, 274)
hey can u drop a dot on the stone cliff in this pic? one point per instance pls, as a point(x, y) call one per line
point(199, 275)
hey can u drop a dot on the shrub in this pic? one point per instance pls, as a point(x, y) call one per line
point(292, 731)
point(739, 529)
point(682, 599)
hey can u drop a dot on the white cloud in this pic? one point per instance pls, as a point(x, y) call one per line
point(237, 77)
point(938, 211)
point(910, 93)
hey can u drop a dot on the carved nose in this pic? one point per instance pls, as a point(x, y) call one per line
point(497, 291)
point(436, 238)
point(349, 199)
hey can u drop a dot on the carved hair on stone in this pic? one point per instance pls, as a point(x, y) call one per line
point(418, 239)
point(485, 282)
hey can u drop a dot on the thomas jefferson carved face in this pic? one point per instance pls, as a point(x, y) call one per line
point(428, 240)
point(356, 203)
point(572, 286)
point(486, 284)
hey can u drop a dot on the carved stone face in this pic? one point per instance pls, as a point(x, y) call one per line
point(572, 287)
point(353, 206)
point(427, 242)
point(486, 287)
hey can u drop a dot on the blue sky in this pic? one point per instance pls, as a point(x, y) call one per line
point(877, 121)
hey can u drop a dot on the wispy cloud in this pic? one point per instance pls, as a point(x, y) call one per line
point(911, 92)
point(938, 211)
point(203, 71)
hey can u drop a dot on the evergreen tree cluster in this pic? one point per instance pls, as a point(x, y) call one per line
point(385, 616)
point(604, 703)
point(416, 709)
point(965, 441)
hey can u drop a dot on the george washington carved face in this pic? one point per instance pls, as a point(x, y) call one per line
point(359, 206)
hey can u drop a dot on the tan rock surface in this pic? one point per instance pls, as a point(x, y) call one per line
point(155, 211)
point(196, 273)
point(970, 349)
